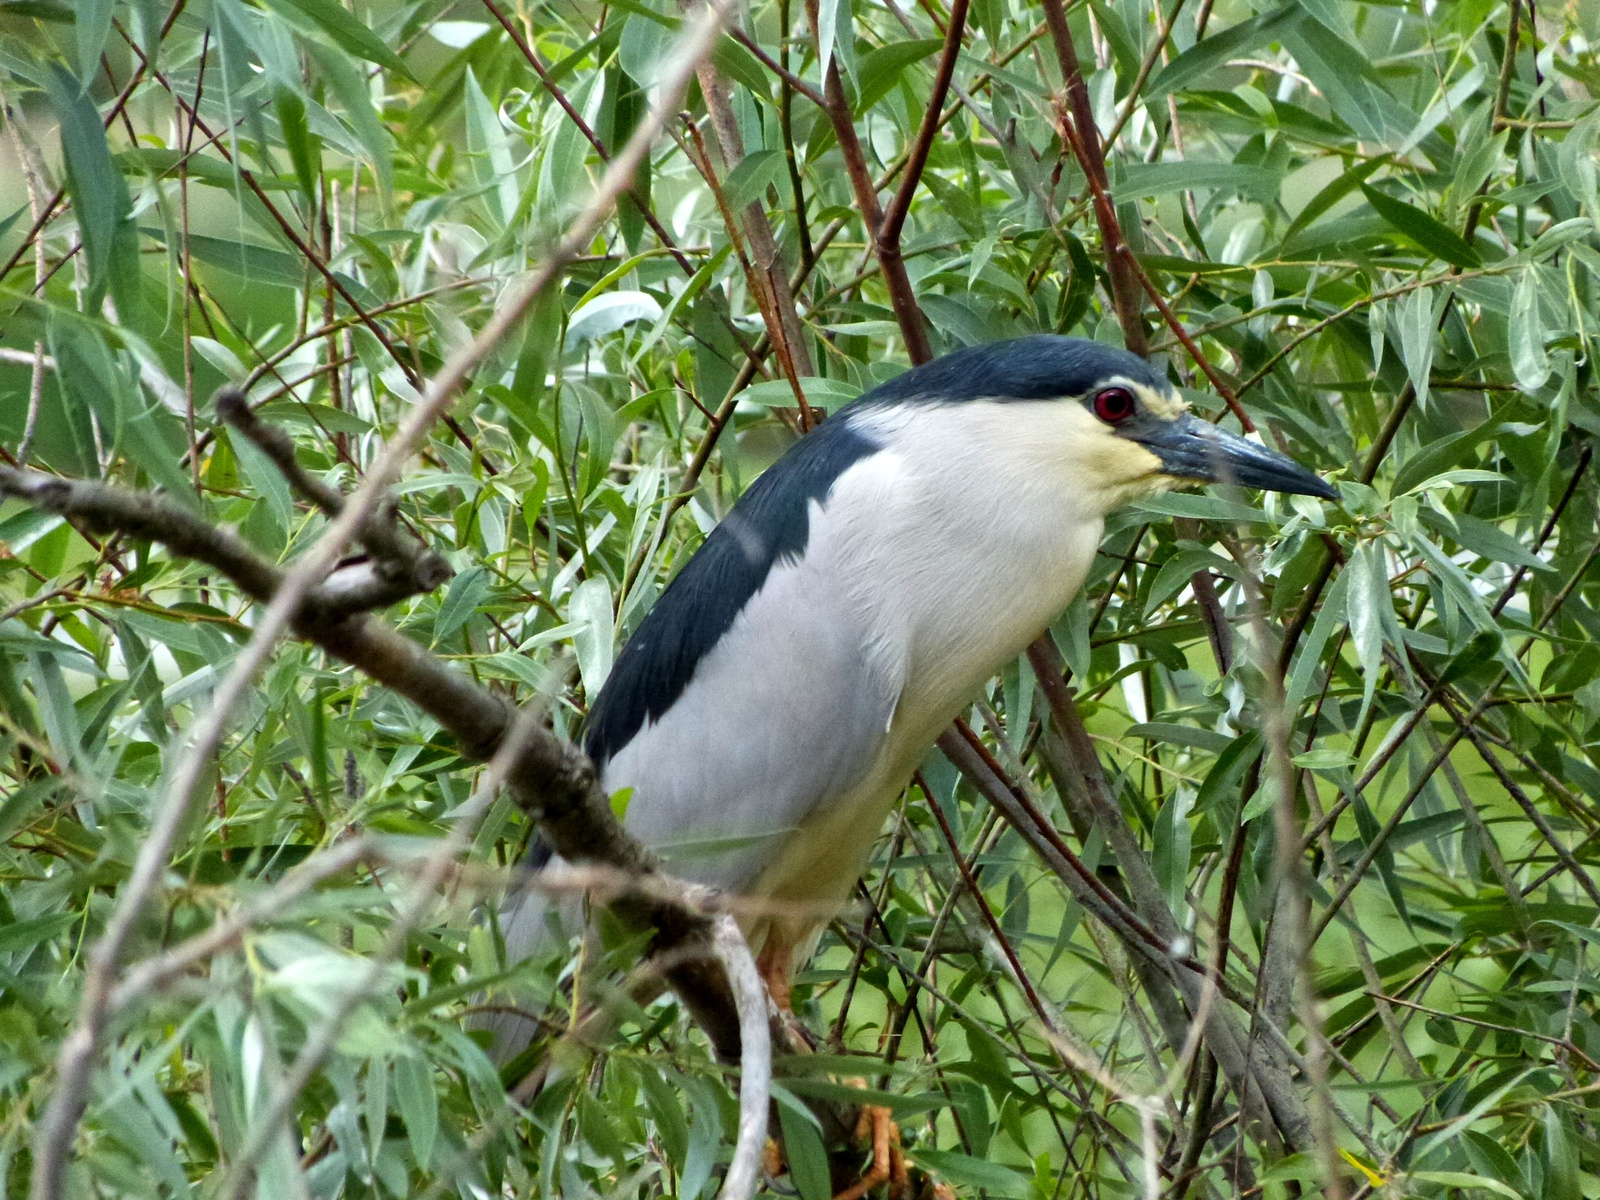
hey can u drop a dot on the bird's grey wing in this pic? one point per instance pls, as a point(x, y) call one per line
point(788, 711)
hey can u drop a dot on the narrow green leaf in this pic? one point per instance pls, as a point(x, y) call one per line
point(1133, 180)
point(291, 110)
point(747, 183)
point(646, 40)
point(1309, 655)
point(965, 1171)
point(1211, 52)
point(200, 168)
point(1441, 455)
point(1331, 195)
point(1563, 1178)
point(802, 1144)
point(1465, 1181)
point(1170, 855)
point(25, 935)
point(349, 85)
point(1369, 592)
point(880, 69)
point(419, 1104)
point(1490, 1158)
point(1529, 362)
point(1176, 572)
point(828, 30)
point(1227, 771)
point(1174, 734)
point(41, 10)
point(1423, 228)
point(705, 1134)
point(5, 225)
point(490, 152)
point(1417, 328)
point(467, 591)
point(1352, 86)
point(18, 809)
point(344, 28)
point(265, 264)
point(667, 1112)
point(100, 199)
point(595, 638)
point(1482, 537)
point(1200, 507)
point(737, 63)
point(94, 27)
point(1575, 160)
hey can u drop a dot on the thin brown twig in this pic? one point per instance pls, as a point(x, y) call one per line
point(887, 240)
point(112, 114)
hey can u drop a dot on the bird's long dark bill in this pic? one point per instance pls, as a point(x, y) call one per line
point(1193, 449)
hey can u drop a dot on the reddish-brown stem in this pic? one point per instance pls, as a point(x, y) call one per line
point(770, 278)
point(115, 111)
point(894, 219)
point(1084, 137)
point(1549, 527)
point(971, 883)
point(902, 297)
point(971, 746)
point(778, 69)
point(315, 260)
point(755, 280)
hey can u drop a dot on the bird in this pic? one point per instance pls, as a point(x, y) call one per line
point(773, 704)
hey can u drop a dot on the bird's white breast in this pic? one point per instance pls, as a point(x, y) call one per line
point(984, 535)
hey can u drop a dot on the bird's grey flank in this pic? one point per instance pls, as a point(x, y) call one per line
point(774, 703)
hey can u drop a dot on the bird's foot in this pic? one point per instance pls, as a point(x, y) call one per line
point(888, 1163)
point(774, 965)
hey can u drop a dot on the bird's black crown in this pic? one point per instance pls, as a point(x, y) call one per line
point(1041, 367)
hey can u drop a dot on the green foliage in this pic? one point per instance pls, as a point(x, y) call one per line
point(1377, 221)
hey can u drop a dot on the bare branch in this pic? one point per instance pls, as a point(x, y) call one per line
point(233, 408)
point(912, 327)
point(755, 1058)
point(153, 974)
point(399, 565)
point(143, 515)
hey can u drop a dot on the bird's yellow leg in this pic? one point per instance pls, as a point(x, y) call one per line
point(775, 965)
point(888, 1164)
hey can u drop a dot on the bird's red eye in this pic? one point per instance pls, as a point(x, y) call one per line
point(1114, 405)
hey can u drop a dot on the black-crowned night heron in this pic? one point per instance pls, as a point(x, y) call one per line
point(776, 700)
